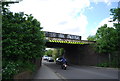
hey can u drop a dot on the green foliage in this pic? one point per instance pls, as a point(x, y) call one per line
point(105, 39)
point(58, 52)
point(10, 68)
point(113, 64)
point(62, 51)
point(106, 64)
point(22, 41)
point(49, 52)
point(55, 53)
point(117, 26)
point(108, 40)
point(116, 14)
point(106, 43)
point(91, 38)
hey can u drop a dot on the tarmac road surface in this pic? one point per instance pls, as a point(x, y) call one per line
point(80, 73)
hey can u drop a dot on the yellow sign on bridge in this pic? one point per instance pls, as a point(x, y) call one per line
point(65, 38)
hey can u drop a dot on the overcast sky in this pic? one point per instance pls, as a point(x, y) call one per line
point(77, 17)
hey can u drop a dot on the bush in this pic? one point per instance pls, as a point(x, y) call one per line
point(22, 42)
point(103, 64)
point(113, 64)
point(10, 69)
point(13, 68)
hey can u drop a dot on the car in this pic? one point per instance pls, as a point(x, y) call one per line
point(58, 60)
point(50, 59)
point(45, 57)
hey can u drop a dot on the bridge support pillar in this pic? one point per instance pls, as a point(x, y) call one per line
point(84, 55)
point(72, 54)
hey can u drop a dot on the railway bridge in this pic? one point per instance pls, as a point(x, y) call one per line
point(77, 51)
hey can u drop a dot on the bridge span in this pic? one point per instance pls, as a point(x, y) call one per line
point(61, 40)
point(77, 51)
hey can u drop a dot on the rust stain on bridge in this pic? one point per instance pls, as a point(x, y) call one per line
point(65, 38)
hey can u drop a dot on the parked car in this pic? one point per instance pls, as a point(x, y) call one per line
point(58, 60)
point(50, 59)
point(45, 57)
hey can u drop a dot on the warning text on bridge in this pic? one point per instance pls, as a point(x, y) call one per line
point(62, 36)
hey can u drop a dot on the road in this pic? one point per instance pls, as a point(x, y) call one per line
point(82, 72)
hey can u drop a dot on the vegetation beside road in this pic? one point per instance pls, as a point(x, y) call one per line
point(22, 40)
point(55, 53)
point(108, 40)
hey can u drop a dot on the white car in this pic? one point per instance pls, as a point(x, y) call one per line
point(45, 57)
point(50, 59)
point(58, 60)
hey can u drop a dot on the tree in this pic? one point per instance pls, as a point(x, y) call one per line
point(108, 39)
point(55, 53)
point(49, 52)
point(58, 52)
point(106, 43)
point(105, 39)
point(115, 12)
point(22, 40)
point(91, 38)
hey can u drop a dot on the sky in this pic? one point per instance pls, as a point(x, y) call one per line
point(76, 17)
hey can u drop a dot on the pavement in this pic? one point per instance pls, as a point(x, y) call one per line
point(46, 73)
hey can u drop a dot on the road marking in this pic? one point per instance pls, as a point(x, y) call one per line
point(60, 76)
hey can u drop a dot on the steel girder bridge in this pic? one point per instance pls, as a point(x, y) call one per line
point(76, 51)
point(54, 39)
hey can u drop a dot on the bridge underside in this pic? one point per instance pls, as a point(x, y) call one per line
point(61, 45)
point(53, 42)
point(77, 51)
point(80, 54)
